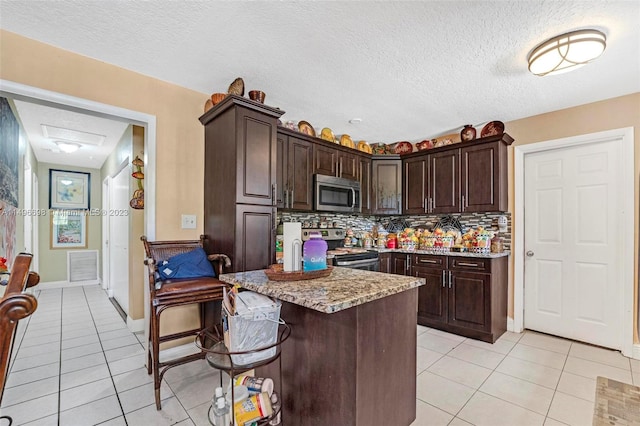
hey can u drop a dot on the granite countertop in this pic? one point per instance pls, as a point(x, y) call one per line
point(439, 253)
point(343, 289)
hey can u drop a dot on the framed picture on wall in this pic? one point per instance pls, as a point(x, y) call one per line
point(69, 190)
point(68, 229)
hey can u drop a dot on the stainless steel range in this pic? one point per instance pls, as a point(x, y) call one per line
point(367, 260)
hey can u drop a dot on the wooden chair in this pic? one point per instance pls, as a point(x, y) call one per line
point(176, 292)
point(14, 306)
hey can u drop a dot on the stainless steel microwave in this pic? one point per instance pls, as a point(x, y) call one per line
point(333, 194)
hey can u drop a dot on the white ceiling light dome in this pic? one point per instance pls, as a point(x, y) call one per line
point(566, 52)
point(68, 147)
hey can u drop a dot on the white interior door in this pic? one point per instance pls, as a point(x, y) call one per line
point(572, 243)
point(119, 238)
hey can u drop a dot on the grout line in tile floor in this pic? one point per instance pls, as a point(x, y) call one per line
point(506, 355)
point(73, 306)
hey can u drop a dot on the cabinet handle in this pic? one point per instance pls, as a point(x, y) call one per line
point(425, 205)
point(475, 265)
point(408, 265)
point(444, 279)
point(286, 198)
point(462, 207)
point(449, 279)
point(427, 261)
point(399, 207)
point(430, 205)
point(274, 194)
point(291, 200)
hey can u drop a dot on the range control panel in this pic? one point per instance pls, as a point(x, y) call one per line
point(329, 234)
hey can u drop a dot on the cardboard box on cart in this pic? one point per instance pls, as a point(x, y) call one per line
point(250, 322)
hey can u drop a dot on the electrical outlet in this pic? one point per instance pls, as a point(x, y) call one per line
point(188, 221)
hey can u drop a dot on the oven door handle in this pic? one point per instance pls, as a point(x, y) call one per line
point(355, 262)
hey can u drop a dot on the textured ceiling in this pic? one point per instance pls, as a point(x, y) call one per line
point(409, 70)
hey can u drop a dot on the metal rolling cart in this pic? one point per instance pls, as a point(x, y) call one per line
point(219, 357)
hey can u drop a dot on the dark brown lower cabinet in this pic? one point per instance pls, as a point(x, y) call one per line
point(384, 260)
point(395, 263)
point(400, 263)
point(463, 295)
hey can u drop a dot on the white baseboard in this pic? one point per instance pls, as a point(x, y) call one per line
point(52, 284)
point(135, 325)
point(64, 284)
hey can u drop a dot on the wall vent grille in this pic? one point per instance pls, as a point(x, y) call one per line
point(82, 266)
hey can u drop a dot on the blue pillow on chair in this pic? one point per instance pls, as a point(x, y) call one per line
point(192, 264)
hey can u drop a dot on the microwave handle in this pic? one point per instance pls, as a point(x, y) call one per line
point(353, 198)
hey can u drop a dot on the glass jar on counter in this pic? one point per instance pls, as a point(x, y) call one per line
point(381, 241)
point(497, 245)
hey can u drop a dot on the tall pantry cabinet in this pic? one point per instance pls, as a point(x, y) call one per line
point(240, 181)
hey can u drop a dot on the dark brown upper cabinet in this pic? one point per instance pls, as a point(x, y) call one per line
point(240, 181)
point(386, 187)
point(294, 173)
point(331, 161)
point(484, 177)
point(364, 177)
point(467, 177)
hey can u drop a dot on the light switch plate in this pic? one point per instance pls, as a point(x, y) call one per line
point(188, 221)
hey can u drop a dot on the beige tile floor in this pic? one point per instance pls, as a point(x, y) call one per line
point(76, 363)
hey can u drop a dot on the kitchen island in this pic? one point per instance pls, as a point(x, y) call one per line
point(351, 357)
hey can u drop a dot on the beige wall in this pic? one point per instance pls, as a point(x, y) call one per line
point(179, 134)
point(610, 114)
point(53, 262)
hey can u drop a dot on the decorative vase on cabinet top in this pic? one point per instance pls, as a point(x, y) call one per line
point(468, 133)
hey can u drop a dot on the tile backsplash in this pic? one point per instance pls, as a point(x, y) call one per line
point(365, 223)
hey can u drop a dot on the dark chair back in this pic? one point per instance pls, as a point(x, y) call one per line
point(14, 306)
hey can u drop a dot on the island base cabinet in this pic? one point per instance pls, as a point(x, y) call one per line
point(352, 367)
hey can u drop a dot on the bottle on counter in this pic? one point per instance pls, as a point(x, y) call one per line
point(314, 253)
point(279, 243)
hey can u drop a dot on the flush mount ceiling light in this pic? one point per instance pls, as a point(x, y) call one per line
point(68, 147)
point(566, 52)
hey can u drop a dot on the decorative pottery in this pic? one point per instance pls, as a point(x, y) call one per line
point(364, 147)
point(237, 87)
point(216, 98)
point(468, 133)
point(345, 140)
point(379, 148)
point(425, 144)
point(492, 128)
point(257, 95)
point(403, 147)
point(306, 128)
point(208, 105)
point(327, 135)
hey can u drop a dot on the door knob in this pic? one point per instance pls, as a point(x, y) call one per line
point(530, 253)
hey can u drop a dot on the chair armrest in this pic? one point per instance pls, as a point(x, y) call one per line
point(222, 261)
